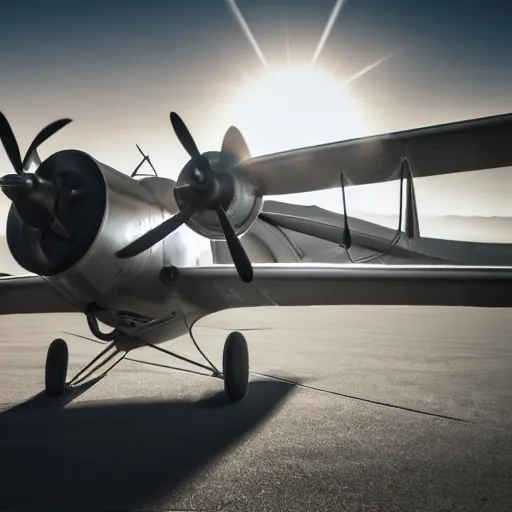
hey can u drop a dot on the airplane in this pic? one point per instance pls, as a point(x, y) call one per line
point(102, 243)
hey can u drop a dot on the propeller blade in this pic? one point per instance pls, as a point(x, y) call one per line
point(154, 236)
point(59, 229)
point(33, 161)
point(10, 145)
point(43, 135)
point(240, 258)
point(234, 144)
point(14, 181)
point(184, 136)
point(189, 144)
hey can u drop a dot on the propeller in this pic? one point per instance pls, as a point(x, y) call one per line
point(207, 190)
point(36, 199)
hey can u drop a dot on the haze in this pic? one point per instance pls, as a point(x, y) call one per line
point(119, 69)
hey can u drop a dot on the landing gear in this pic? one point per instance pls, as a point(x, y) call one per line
point(235, 365)
point(56, 368)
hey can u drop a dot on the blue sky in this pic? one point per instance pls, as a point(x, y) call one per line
point(118, 68)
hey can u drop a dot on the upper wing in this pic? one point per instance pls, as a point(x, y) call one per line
point(448, 148)
point(30, 294)
point(218, 287)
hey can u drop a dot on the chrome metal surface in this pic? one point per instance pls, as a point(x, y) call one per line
point(101, 277)
point(132, 297)
point(317, 284)
point(433, 150)
point(242, 211)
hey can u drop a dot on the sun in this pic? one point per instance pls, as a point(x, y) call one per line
point(292, 108)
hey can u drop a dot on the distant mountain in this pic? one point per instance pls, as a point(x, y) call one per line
point(453, 227)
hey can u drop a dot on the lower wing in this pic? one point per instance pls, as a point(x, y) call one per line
point(219, 287)
point(30, 294)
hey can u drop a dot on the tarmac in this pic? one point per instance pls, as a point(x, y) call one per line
point(348, 409)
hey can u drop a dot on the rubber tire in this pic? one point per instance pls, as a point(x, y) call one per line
point(235, 364)
point(56, 369)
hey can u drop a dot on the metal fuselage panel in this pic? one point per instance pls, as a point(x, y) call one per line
point(129, 291)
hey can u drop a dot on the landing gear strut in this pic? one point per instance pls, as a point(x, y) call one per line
point(235, 363)
point(56, 367)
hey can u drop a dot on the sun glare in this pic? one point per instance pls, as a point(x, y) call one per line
point(292, 108)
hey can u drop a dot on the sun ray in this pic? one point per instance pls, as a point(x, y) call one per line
point(247, 31)
point(367, 69)
point(287, 35)
point(328, 29)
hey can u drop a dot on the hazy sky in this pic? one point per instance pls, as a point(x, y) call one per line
point(119, 68)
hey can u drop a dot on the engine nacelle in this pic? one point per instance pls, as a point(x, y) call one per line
point(243, 210)
point(102, 210)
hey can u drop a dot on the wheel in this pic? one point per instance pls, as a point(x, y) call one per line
point(56, 367)
point(236, 366)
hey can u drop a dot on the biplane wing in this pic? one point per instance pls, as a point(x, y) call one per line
point(31, 294)
point(219, 287)
point(443, 149)
point(290, 233)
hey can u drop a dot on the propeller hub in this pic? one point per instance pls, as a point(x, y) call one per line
point(211, 190)
point(34, 197)
point(207, 188)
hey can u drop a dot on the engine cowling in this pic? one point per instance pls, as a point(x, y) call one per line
point(243, 209)
point(108, 211)
point(82, 196)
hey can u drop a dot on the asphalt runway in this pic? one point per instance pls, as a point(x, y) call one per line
point(375, 409)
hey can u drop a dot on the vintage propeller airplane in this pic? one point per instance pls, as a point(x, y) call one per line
point(98, 242)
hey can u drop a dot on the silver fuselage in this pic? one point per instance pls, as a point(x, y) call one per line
point(131, 296)
point(129, 293)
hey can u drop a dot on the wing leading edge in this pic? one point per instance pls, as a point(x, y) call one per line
point(219, 287)
point(471, 145)
point(30, 294)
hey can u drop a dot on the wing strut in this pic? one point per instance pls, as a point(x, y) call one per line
point(411, 215)
point(412, 224)
point(347, 237)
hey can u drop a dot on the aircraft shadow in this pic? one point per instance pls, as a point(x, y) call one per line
point(42, 402)
point(121, 456)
